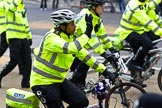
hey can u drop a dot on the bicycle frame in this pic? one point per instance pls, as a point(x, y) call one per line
point(123, 70)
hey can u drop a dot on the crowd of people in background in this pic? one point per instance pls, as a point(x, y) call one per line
point(55, 4)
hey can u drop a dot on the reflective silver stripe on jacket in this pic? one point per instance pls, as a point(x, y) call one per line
point(38, 71)
point(157, 19)
point(147, 23)
point(155, 4)
point(13, 23)
point(8, 3)
point(150, 7)
point(156, 29)
point(14, 4)
point(25, 101)
point(19, 31)
point(77, 44)
point(87, 58)
point(93, 35)
point(105, 42)
point(96, 45)
point(2, 16)
point(129, 28)
point(2, 23)
point(65, 47)
point(50, 63)
point(136, 24)
point(132, 11)
point(95, 65)
point(103, 36)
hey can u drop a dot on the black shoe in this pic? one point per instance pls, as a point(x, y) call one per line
point(138, 80)
point(143, 85)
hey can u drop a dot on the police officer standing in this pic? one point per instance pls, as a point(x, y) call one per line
point(19, 39)
point(3, 41)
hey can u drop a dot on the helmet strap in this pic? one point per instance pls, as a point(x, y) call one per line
point(93, 8)
point(64, 29)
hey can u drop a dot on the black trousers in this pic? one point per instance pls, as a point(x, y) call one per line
point(80, 72)
point(79, 76)
point(43, 4)
point(52, 95)
point(20, 54)
point(144, 41)
point(75, 64)
point(3, 43)
point(55, 4)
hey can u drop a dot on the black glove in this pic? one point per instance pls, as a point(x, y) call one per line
point(30, 42)
point(88, 19)
point(112, 50)
point(109, 75)
point(109, 57)
point(97, 26)
point(23, 13)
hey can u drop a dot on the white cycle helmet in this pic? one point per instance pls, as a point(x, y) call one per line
point(62, 16)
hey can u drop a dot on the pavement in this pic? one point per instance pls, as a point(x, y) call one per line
point(40, 23)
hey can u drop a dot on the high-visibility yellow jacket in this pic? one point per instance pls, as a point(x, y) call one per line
point(17, 24)
point(135, 19)
point(150, 10)
point(2, 16)
point(55, 55)
point(152, 4)
point(99, 40)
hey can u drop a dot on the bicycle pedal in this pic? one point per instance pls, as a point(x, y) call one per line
point(143, 85)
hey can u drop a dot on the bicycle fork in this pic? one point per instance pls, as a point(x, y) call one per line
point(125, 102)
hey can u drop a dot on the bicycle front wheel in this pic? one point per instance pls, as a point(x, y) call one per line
point(159, 80)
point(123, 99)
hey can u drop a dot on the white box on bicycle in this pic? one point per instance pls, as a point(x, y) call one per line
point(21, 99)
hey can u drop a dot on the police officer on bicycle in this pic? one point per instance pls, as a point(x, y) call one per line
point(139, 30)
point(54, 57)
point(99, 41)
